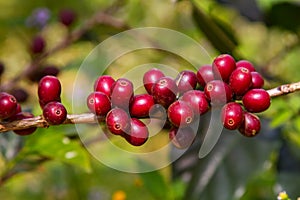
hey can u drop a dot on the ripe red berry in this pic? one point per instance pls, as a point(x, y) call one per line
point(240, 81)
point(141, 105)
point(22, 116)
point(104, 84)
point(256, 100)
point(8, 105)
point(197, 101)
point(164, 91)
point(98, 103)
point(55, 113)
point(218, 92)
point(250, 126)
point(205, 75)
point(122, 93)
point(186, 80)
point(180, 114)
point(118, 121)
point(49, 89)
point(67, 16)
point(138, 134)
point(246, 64)
point(20, 94)
point(38, 44)
point(223, 65)
point(257, 80)
point(232, 115)
point(150, 77)
point(182, 138)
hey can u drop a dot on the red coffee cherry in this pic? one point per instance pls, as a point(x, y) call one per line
point(180, 114)
point(104, 84)
point(21, 116)
point(138, 134)
point(67, 16)
point(232, 115)
point(256, 100)
point(257, 80)
point(240, 81)
point(250, 126)
point(20, 94)
point(182, 138)
point(118, 121)
point(49, 89)
point(197, 101)
point(141, 105)
point(186, 80)
point(122, 93)
point(8, 105)
point(98, 103)
point(218, 92)
point(205, 75)
point(164, 91)
point(38, 45)
point(246, 64)
point(55, 113)
point(150, 77)
point(223, 65)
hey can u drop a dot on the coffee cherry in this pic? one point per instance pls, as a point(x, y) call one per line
point(257, 80)
point(21, 116)
point(150, 77)
point(240, 81)
point(37, 45)
point(20, 94)
point(250, 126)
point(141, 105)
point(55, 113)
point(122, 93)
point(104, 84)
point(223, 65)
point(49, 89)
point(138, 134)
point(232, 115)
point(118, 121)
point(218, 92)
point(197, 101)
point(8, 105)
point(246, 64)
point(164, 91)
point(98, 103)
point(180, 114)
point(67, 16)
point(182, 138)
point(256, 100)
point(186, 80)
point(205, 75)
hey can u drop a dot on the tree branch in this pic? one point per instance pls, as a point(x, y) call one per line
point(284, 89)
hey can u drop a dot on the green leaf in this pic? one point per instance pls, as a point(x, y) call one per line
point(281, 118)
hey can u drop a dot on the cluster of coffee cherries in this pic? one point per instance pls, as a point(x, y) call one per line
point(235, 88)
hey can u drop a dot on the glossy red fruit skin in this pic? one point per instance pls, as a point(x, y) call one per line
point(257, 80)
point(67, 16)
point(98, 103)
point(164, 91)
point(38, 44)
point(150, 78)
point(218, 92)
point(55, 113)
point(240, 81)
point(256, 100)
point(246, 64)
point(186, 80)
point(182, 138)
point(196, 99)
point(251, 125)
point(104, 84)
point(232, 115)
point(8, 105)
point(138, 134)
point(205, 75)
point(118, 121)
point(21, 116)
point(122, 93)
point(49, 89)
point(141, 105)
point(180, 114)
point(223, 65)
